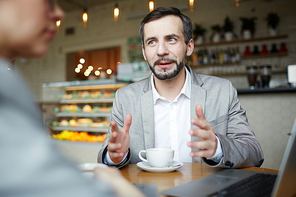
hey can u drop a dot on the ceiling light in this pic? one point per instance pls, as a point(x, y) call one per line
point(79, 66)
point(116, 13)
point(84, 18)
point(82, 61)
point(58, 24)
point(191, 5)
point(236, 2)
point(77, 70)
point(151, 5)
point(97, 73)
point(109, 71)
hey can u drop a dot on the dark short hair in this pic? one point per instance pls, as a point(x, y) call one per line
point(166, 11)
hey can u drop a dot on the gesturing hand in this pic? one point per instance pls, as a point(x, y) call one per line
point(119, 141)
point(207, 143)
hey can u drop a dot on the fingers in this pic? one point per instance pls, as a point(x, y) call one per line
point(202, 145)
point(127, 123)
point(114, 126)
point(206, 148)
point(112, 147)
point(201, 121)
point(199, 112)
point(116, 156)
point(115, 152)
point(202, 153)
point(207, 143)
point(200, 133)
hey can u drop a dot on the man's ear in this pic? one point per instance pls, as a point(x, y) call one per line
point(190, 47)
point(143, 52)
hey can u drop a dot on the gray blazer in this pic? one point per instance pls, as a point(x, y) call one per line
point(221, 108)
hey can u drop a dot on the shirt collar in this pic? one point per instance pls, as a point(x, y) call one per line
point(186, 90)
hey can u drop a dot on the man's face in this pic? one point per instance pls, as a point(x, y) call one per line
point(165, 48)
point(28, 26)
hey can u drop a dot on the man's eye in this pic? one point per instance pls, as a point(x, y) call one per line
point(151, 42)
point(172, 40)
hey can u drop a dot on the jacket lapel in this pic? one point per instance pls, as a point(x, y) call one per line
point(198, 93)
point(147, 109)
point(198, 96)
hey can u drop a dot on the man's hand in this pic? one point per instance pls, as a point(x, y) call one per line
point(207, 139)
point(119, 141)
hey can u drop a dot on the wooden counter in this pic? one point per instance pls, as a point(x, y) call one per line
point(188, 172)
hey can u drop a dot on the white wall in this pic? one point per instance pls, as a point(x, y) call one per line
point(271, 117)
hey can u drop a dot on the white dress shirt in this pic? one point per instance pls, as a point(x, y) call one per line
point(172, 124)
point(172, 121)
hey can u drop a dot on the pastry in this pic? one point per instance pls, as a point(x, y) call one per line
point(73, 123)
point(64, 123)
point(84, 122)
point(87, 108)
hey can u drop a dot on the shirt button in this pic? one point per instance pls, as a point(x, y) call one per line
point(172, 108)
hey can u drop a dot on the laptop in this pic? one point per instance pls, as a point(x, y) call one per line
point(227, 181)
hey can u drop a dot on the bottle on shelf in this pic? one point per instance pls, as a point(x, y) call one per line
point(205, 56)
point(221, 56)
point(237, 54)
point(212, 57)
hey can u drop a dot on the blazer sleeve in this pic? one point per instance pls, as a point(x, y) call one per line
point(240, 146)
point(118, 117)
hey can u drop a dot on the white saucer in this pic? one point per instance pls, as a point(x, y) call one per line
point(90, 166)
point(174, 166)
point(87, 169)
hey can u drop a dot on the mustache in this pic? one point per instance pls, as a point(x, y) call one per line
point(165, 60)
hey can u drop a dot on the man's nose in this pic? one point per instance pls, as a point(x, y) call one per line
point(162, 49)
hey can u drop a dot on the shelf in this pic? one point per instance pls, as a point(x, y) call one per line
point(229, 74)
point(83, 114)
point(264, 56)
point(243, 73)
point(95, 87)
point(218, 64)
point(78, 143)
point(87, 129)
point(106, 100)
point(266, 90)
point(241, 40)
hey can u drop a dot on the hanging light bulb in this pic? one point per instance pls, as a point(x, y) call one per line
point(84, 18)
point(236, 2)
point(116, 13)
point(82, 60)
point(191, 5)
point(151, 5)
point(58, 24)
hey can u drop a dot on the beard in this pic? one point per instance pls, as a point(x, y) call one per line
point(165, 74)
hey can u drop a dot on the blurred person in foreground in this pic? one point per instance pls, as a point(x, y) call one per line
point(30, 165)
point(198, 116)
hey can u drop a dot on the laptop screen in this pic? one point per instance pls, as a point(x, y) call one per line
point(286, 182)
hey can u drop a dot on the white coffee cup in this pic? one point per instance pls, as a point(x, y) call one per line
point(158, 157)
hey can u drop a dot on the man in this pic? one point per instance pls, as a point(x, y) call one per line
point(30, 165)
point(198, 116)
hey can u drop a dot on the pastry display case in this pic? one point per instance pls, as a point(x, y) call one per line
point(79, 111)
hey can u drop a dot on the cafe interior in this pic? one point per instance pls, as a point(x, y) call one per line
point(97, 50)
